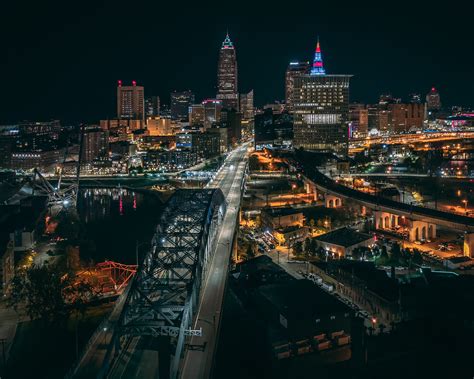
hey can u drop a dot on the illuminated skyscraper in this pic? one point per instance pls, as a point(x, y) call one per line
point(433, 101)
point(130, 101)
point(318, 66)
point(246, 105)
point(294, 69)
point(152, 106)
point(321, 109)
point(227, 89)
point(180, 104)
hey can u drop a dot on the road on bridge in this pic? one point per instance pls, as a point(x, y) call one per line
point(198, 363)
point(140, 358)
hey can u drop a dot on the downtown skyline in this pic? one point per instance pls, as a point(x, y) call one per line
point(72, 75)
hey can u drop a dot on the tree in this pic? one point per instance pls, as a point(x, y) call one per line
point(298, 248)
point(395, 253)
point(356, 253)
point(48, 294)
point(382, 328)
point(383, 252)
point(254, 165)
point(311, 224)
point(307, 246)
point(417, 257)
point(250, 253)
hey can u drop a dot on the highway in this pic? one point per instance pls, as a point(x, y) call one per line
point(198, 363)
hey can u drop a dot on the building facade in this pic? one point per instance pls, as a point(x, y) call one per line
point(152, 106)
point(294, 70)
point(359, 120)
point(95, 144)
point(227, 89)
point(433, 100)
point(246, 106)
point(130, 101)
point(321, 109)
point(180, 104)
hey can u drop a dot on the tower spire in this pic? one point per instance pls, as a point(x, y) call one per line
point(318, 67)
point(227, 44)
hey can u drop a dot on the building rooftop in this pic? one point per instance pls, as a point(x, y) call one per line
point(301, 298)
point(345, 237)
point(375, 279)
point(278, 212)
point(459, 259)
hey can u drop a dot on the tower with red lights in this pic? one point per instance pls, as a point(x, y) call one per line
point(318, 66)
point(321, 109)
point(130, 101)
point(433, 100)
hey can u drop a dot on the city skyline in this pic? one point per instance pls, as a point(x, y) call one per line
point(47, 76)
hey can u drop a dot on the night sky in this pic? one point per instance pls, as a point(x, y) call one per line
point(62, 61)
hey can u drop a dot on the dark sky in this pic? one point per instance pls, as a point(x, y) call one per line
point(62, 59)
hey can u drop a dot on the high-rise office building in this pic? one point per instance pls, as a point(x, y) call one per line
point(206, 114)
point(294, 69)
point(180, 104)
point(152, 106)
point(359, 120)
point(246, 105)
point(404, 117)
point(433, 100)
point(415, 98)
point(232, 120)
point(321, 109)
point(227, 89)
point(95, 144)
point(212, 112)
point(273, 129)
point(130, 101)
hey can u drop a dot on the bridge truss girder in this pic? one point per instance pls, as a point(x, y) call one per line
point(166, 289)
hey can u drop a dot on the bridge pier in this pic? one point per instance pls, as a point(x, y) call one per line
point(422, 230)
point(333, 201)
point(468, 248)
point(311, 189)
point(417, 230)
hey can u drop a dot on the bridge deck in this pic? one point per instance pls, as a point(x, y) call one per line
point(452, 220)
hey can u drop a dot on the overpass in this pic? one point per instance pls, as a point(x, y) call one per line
point(172, 307)
point(423, 221)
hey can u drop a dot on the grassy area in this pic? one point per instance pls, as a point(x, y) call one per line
point(48, 351)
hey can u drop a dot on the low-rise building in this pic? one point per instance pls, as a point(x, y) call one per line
point(275, 218)
point(290, 235)
point(370, 288)
point(341, 242)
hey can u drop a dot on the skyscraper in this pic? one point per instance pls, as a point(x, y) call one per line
point(227, 89)
point(246, 105)
point(294, 69)
point(321, 109)
point(359, 120)
point(130, 101)
point(152, 106)
point(95, 144)
point(180, 104)
point(433, 100)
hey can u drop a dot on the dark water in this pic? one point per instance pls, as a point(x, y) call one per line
point(114, 220)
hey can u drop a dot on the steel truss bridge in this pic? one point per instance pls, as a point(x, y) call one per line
point(164, 294)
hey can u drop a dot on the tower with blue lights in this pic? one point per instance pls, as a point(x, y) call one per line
point(318, 66)
point(321, 109)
